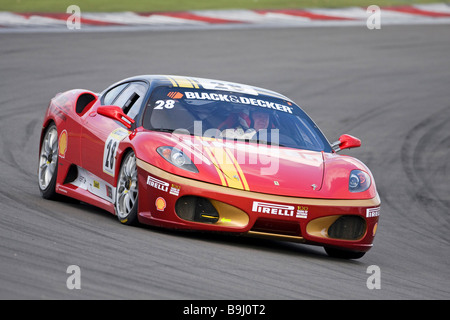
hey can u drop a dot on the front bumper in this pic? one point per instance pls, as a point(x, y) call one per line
point(346, 224)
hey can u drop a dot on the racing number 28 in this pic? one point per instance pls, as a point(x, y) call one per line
point(161, 104)
point(111, 149)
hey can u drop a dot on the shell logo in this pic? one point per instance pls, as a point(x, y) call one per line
point(62, 144)
point(160, 204)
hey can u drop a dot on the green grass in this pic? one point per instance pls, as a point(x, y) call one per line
point(181, 5)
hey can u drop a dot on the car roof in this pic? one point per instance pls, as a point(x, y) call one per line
point(204, 83)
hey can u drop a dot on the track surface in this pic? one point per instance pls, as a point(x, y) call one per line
point(388, 87)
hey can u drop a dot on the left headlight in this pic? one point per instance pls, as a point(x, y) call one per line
point(177, 157)
point(359, 181)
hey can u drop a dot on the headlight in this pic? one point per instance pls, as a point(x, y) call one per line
point(359, 181)
point(176, 157)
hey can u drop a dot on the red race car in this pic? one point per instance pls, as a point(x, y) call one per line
point(208, 155)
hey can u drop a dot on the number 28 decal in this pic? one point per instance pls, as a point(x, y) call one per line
point(161, 104)
point(110, 151)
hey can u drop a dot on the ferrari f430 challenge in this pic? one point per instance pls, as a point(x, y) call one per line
point(208, 155)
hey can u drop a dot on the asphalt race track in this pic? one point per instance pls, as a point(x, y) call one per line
point(389, 87)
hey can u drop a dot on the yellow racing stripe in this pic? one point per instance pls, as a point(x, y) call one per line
point(195, 83)
point(227, 165)
point(216, 165)
point(183, 82)
point(239, 169)
point(173, 82)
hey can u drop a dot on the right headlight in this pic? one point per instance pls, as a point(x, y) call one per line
point(359, 181)
point(177, 157)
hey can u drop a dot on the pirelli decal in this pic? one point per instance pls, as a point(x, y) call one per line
point(228, 168)
point(183, 82)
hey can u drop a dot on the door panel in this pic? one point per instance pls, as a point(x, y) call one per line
point(96, 131)
point(101, 135)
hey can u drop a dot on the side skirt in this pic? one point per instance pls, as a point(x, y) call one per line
point(89, 188)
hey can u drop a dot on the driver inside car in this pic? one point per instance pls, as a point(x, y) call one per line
point(246, 126)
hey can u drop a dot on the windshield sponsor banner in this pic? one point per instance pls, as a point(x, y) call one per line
point(212, 96)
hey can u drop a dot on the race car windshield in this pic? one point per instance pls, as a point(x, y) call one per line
point(231, 115)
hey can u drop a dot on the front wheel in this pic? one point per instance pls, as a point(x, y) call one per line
point(48, 163)
point(127, 191)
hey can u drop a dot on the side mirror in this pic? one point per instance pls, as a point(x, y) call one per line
point(116, 113)
point(346, 141)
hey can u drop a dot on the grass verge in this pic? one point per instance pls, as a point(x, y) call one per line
point(183, 5)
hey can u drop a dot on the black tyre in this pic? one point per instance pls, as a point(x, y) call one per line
point(48, 163)
point(126, 201)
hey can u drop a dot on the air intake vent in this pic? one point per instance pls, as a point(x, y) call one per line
point(196, 209)
point(347, 228)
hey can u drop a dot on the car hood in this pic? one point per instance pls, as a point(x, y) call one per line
point(258, 167)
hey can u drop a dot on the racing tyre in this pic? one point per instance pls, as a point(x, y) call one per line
point(126, 202)
point(343, 254)
point(48, 163)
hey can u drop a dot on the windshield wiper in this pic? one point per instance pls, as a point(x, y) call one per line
point(162, 130)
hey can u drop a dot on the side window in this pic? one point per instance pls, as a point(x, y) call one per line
point(111, 95)
point(131, 99)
